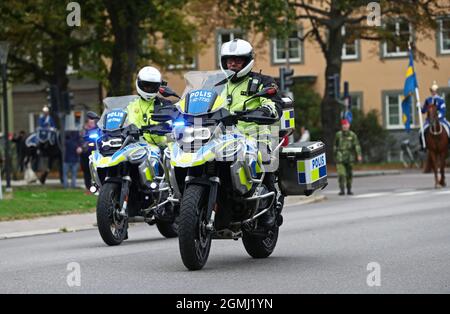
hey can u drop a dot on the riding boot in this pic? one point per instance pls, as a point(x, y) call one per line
point(267, 220)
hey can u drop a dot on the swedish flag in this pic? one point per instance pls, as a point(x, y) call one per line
point(408, 91)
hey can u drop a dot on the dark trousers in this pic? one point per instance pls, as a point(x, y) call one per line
point(84, 161)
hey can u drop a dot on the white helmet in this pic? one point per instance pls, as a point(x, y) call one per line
point(237, 48)
point(148, 82)
point(45, 109)
point(434, 87)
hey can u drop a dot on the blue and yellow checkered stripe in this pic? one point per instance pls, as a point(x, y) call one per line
point(313, 176)
point(288, 121)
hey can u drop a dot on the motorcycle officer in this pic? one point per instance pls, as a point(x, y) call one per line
point(148, 82)
point(237, 55)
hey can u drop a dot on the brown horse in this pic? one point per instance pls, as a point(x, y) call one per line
point(437, 144)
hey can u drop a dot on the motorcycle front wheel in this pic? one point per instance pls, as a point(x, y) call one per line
point(112, 227)
point(194, 239)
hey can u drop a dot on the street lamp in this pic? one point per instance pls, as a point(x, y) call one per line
point(4, 47)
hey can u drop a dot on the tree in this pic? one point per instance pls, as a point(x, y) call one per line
point(307, 110)
point(163, 27)
point(324, 20)
point(107, 46)
point(375, 141)
point(42, 44)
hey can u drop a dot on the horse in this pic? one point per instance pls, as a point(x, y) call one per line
point(44, 144)
point(436, 140)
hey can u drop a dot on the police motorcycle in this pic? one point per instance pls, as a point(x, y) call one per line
point(218, 173)
point(129, 175)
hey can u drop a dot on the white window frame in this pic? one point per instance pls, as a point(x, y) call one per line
point(277, 60)
point(441, 37)
point(359, 104)
point(400, 99)
point(397, 33)
point(182, 66)
point(32, 118)
point(346, 56)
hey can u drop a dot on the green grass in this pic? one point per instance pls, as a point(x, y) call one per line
point(31, 202)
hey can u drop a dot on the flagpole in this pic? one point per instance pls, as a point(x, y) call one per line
point(420, 117)
point(418, 105)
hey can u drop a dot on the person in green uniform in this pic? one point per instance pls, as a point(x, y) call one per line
point(237, 56)
point(346, 148)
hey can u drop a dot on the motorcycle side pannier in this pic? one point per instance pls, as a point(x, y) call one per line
point(303, 168)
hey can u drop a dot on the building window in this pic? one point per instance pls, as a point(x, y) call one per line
point(402, 32)
point(33, 121)
point(444, 35)
point(295, 49)
point(350, 49)
point(224, 36)
point(183, 60)
point(394, 112)
point(356, 101)
point(445, 93)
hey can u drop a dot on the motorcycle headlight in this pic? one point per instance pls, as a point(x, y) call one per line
point(189, 134)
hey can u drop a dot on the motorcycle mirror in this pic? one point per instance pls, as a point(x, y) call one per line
point(92, 115)
point(267, 91)
point(166, 91)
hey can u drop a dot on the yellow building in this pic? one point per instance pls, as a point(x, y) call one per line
point(375, 71)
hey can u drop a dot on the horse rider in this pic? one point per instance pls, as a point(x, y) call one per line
point(46, 120)
point(440, 106)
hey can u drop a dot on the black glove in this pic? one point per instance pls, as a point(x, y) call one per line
point(264, 112)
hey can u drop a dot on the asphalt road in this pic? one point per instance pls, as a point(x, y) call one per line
point(399, 222)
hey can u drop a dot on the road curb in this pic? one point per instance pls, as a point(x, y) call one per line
point(63, 229)
point(31, 233)
point(370, 173)
point(307, 200)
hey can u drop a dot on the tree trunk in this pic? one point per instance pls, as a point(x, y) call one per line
point(125, 27)
point(330, 106)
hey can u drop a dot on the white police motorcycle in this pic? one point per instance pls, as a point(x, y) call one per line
point(218, 173)
point(129, 175)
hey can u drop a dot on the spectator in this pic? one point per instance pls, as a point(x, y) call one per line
point(19, 140)
point(305, 137)
point(71, 159)
point(90, 130)
point(346, 149)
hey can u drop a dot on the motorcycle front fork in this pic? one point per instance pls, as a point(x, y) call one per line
point(124, 193)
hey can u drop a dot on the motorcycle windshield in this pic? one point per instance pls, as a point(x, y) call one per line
point(115, 116)
point(205, 91)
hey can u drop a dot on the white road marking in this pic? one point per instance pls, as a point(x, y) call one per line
point(442, 192)
point(371, 195)
point(410, 193)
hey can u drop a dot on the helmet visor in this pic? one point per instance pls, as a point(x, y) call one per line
point(149, 87)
